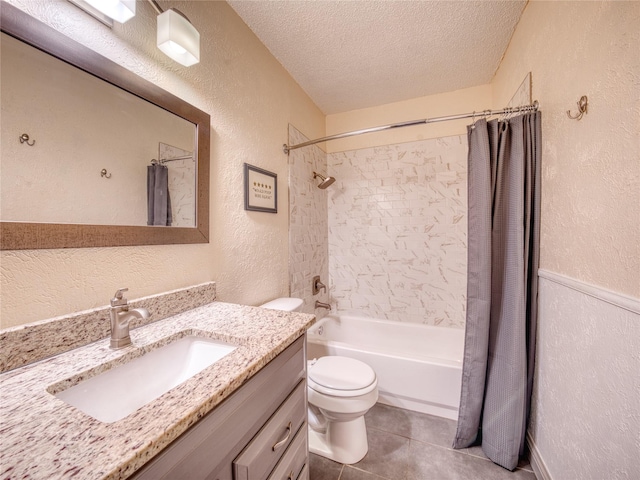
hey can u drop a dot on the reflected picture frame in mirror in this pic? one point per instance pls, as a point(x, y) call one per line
point(16, 235)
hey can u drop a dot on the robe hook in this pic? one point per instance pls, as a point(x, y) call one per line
point(103, 173)
point(24, 138)
point(583, 105)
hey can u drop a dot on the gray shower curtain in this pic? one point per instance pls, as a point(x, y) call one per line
point(158, 200)
point(502, 286)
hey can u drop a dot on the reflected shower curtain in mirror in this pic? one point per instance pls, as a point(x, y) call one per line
point(158, 200)
point(502, 286)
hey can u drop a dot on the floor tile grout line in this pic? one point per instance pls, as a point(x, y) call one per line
point(455, 450)
point(364, 471)
point(391, 433)
point(424, 441)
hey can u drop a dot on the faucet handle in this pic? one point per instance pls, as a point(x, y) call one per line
point(317, 285)
point(119, 299)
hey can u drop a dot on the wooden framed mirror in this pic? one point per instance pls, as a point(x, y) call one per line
point(44, 158)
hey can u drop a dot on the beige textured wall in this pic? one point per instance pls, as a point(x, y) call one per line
point(443, 104)
point(251, 100)
point(591, 169)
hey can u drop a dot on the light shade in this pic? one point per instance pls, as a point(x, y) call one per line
point(119, 10)
point(177, 38)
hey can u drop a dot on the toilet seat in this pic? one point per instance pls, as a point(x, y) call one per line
point(341, 377)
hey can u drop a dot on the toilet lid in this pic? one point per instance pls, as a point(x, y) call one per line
point(341, 373)
point(287, 304)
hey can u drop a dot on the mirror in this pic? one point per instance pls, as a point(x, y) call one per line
point(83, 183)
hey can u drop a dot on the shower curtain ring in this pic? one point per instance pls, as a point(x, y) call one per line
point(505, 114)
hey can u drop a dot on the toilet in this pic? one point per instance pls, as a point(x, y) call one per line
point(287, 304)
point(340, 391)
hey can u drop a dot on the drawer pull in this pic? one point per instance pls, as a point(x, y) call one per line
point(284, 440)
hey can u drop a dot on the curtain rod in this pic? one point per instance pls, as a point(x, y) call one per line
point(162, 161)
point(485, 113)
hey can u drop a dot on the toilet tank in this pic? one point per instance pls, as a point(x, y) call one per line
point(286, 304)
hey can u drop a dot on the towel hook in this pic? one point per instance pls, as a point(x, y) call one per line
point(103, 173)
point(24, 138)
point(583, 105)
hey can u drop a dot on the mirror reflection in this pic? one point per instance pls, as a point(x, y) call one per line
point(102, 156)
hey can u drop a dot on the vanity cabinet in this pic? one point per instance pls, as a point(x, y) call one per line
point(258, 433)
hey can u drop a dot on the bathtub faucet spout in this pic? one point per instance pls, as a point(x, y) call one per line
point(319, 304)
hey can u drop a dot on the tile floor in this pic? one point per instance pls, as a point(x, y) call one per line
point(406, 445)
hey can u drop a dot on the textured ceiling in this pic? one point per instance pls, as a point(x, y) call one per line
point(355, 54)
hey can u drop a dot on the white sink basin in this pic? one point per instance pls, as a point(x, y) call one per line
point(118, 392)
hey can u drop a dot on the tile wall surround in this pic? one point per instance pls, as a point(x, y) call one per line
point(182, 185)
point(308, 244)
point(522, 96)
point(38, 340)
point(397, 219)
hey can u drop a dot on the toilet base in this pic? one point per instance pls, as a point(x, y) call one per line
point(343, 442)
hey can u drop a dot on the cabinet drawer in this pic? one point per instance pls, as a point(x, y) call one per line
point(264, 451)
point(304, 474)
point(291, 466)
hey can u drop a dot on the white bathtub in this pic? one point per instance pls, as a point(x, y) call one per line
point(419, 367)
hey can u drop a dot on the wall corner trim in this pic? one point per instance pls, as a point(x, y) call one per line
point(623, 301)
point(539, 467)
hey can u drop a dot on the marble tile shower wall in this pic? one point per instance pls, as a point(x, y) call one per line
point(308, 244)
point(398, 231)
point(182, 187)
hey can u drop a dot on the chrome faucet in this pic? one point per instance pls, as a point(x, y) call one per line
point(121, 316)
point(319, 304)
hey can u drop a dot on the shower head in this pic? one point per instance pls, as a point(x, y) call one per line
point(325, 181)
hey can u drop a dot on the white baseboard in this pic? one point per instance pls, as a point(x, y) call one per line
point(537, 464)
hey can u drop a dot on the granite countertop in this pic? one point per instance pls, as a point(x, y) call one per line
point(43, 437)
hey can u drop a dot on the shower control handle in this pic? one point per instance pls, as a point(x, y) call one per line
point(317, 285)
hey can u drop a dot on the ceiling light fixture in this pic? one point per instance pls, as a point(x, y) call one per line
point(119, 10)
point(177, 37)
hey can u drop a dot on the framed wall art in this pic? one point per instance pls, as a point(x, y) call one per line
point(260, 190)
